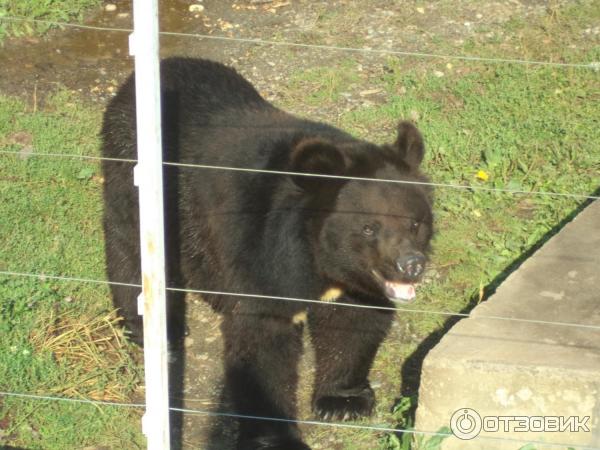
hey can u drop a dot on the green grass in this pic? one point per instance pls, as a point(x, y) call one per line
point(48, 10)
point(556, 36)
point(321, 85)
point(50, 223)
point(529, 128)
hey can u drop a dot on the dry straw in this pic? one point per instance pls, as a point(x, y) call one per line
point(94, 351)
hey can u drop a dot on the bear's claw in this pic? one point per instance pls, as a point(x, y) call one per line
point(345, 404)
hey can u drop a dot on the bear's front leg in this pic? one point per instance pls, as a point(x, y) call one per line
point(345, 340)
point(262, 351)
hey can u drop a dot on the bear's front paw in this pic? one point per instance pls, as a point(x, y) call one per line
point(345, 404)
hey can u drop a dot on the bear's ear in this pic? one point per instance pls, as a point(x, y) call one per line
point(409, 145)
point(315, 155)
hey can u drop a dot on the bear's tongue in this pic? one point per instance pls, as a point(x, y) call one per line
point(400, 292)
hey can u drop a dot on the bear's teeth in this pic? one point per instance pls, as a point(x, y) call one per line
point(400, 291)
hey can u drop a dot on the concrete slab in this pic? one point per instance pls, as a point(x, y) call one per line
point(515, 369)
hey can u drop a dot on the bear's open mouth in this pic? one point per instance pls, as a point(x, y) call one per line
point(396, 291)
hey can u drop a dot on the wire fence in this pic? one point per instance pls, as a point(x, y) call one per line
point(463, 187)
point(595, 66)
point(305, 300)
point(372, 428)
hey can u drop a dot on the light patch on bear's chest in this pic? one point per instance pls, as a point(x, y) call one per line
point(331, 294)
point(299, 318)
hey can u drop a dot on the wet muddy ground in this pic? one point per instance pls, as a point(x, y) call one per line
point(94, 63)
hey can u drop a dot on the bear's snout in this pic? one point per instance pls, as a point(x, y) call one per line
point(411, 265)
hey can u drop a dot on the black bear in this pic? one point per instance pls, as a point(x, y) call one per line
point(284, 235)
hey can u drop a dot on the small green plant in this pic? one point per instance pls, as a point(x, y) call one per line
point(401, 412)
point(409, 439)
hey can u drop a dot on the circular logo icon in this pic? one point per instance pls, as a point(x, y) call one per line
point(465, 423)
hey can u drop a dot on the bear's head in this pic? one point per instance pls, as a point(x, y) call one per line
point(368, 237)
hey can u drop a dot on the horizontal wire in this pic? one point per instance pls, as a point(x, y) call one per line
point(384, 180)
point(308, 422)
point(319, 175)
point(592, 65)
point(377, 428)
point(44, 277)
point(72, 400)
point(278, 419)
point(399, 308)
point(66, 155)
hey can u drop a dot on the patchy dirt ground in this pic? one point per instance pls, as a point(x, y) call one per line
point(94, 63)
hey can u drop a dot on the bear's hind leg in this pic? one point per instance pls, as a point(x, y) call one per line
point(261, 374)
point(345, 341)
point(123, 266)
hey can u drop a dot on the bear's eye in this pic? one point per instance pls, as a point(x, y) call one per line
point(414, 226)
point(368, 230)
point(371, 229)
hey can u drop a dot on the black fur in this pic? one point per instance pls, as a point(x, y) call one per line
point(268, 234)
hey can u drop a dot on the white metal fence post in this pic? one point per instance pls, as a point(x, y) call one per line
point(148, 177)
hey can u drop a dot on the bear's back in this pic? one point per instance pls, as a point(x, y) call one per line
point(211, 115)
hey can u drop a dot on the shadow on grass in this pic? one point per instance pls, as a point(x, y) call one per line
point(411, 369)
